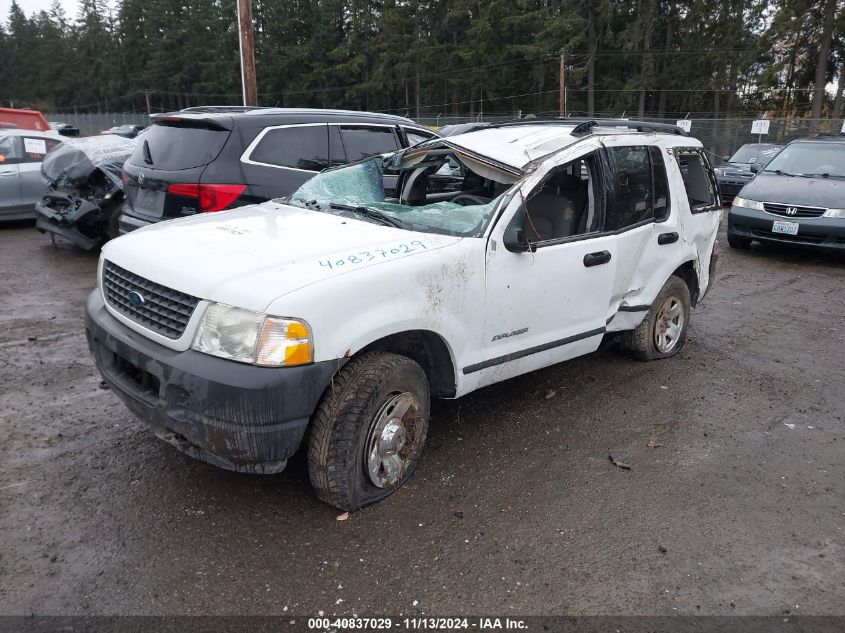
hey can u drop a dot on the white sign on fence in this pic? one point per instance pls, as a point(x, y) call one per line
point(842, 131)
point(684, 124)
point(761, 126)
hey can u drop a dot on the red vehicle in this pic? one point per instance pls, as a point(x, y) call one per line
point(24, 119)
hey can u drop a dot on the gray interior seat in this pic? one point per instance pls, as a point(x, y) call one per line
point(557, 210)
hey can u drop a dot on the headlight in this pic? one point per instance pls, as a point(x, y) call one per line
point(834, 213)
point(748, 204)
point(251, 337)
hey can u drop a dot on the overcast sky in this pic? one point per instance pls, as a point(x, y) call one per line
point(34, 6)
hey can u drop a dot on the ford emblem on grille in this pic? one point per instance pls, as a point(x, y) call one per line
point(136, 299)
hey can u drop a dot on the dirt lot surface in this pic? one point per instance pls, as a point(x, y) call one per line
point(734, 502)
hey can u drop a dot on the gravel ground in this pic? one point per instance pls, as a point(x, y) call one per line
point(733, 504)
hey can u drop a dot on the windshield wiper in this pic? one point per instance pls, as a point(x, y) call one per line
point(825, 175)
point(368, 212)
point(148, 158)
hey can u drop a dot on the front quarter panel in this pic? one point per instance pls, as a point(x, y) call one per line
point(441, 291)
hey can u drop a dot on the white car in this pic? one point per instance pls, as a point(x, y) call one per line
point(335, 316)
point(21, 182)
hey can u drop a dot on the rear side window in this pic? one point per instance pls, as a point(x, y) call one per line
point(300, 147)
point(415, 136)
point(362, 141)
point(34, 149)
point(175, 147)
point(632, 192)
point(697, 181)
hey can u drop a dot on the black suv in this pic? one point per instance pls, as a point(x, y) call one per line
point(736, 173)
point(798, 198)
point(215, 158)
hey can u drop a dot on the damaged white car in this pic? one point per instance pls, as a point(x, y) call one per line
point(336, 315)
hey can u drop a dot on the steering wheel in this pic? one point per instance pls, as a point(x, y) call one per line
point(466, 199)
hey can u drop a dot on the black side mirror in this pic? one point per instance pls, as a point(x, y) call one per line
point(514, 238)
point(755, 168)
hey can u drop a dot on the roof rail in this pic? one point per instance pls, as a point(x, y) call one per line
point(585, 125)
point(212, 109)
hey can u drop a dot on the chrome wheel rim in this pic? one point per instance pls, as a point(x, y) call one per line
point(392, 439)
point(669, 325)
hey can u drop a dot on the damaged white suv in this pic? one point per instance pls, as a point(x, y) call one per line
point(333, 317)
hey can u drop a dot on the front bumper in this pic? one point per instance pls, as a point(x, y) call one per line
point(65, 216)
point(235, 416)
point(729, 188)
point(821, 233)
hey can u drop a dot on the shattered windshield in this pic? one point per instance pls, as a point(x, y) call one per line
point(434, 195)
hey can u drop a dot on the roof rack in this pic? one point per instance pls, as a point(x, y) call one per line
point(213, 109)
point(585, 126)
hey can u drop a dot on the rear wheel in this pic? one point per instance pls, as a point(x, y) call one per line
point(737, 241)
point(368, 431)
point(663, 332)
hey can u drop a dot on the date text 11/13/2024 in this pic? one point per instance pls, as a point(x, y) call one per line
point(417, 624)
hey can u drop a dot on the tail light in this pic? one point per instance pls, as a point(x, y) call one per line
point(211, 197)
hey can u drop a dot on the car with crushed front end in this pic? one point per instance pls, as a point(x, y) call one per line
point(737, 172)
point(331, 318)
point(798, 199)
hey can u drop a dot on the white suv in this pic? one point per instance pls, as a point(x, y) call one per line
point(336, 314)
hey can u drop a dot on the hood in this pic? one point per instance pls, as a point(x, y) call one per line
point(810, 192)
point(252, 255)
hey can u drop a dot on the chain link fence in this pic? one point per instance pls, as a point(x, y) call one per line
point(93, 123)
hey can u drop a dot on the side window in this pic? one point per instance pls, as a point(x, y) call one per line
point(632, 194)
point(661, 184)
point(415, 136)
point(361, 141)
point(697, 181)
point(336, 153)
point(11, 151)
point(35, 149)
point(305, 147)
point(565, 204)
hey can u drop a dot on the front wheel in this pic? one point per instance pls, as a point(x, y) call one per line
point(368, 431)
point(664, 330)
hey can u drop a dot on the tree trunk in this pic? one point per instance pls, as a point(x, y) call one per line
point(667, 46)
point(591, 62)
point(821, 64)
point(839, 101)
point(417, 89)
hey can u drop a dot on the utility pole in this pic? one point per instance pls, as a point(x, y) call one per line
point(562, 87)
point(247, 48)
point(149, 106)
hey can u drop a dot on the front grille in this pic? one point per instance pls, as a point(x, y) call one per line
point(793, 211)
point(164, 311)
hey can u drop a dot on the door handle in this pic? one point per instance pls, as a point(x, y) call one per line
point(594, 259)
point(8, 174)
point(667, 238)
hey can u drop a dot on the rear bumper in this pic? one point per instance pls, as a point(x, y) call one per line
point(820, 233)
point(235, 416)
point(128, 223)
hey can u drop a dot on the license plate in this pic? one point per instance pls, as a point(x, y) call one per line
point(149, 201)
point(788, 228)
